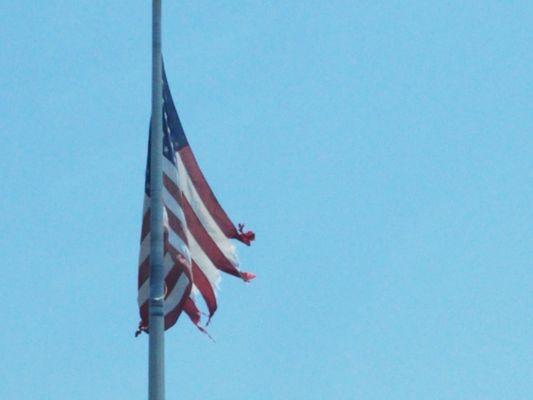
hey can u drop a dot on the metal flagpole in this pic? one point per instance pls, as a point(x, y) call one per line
point(156, 352)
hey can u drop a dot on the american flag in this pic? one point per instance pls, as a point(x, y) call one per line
point(197, 231)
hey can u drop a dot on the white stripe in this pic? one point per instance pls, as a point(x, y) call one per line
point(175, 241)
point(203, 214)
point(173, 236)
point(145, 249)
point(171, 172)
point(176, 295)
point(173, 205)
point(202, 260)
point(204, 263)
point(144, 290)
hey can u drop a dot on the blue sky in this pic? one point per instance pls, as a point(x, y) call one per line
point(382, 151)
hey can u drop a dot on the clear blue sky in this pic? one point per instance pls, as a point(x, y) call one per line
point(381, 150)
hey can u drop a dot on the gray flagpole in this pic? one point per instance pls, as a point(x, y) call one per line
point(156, 351)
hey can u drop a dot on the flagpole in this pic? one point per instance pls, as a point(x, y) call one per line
point(156, 351)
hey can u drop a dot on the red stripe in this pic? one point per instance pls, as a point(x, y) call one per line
point(191, 310)
point(196, 275)
point(205, 288)
point(175, 272)
point(206, 194)
point(145, 230)
point(172, 188)
point(143, 312)
point(172, 316)
point(206, 242)
point(144, 268)
point(175, 225)
point(171, 279)
point(194, 314)
point(175, 255)
point(144, 271)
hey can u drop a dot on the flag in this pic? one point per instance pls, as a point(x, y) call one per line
point(197, 231)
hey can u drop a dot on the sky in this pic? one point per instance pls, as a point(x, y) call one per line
point(382, 151)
